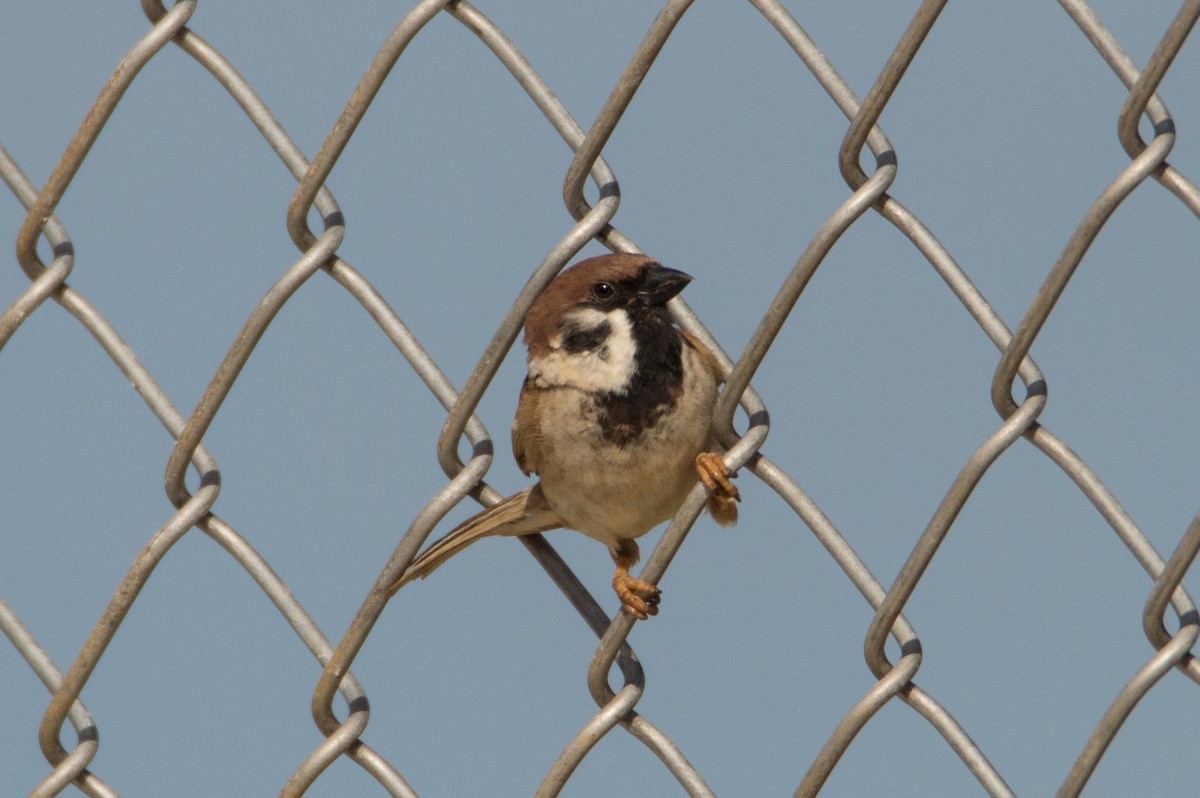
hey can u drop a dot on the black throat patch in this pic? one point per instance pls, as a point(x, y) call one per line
point(656, 382)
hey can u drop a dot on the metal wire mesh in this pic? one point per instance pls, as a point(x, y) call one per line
point(316, 225)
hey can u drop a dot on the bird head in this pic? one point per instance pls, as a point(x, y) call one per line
point(595, 324)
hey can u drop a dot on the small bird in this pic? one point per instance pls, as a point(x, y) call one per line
point(615, 418)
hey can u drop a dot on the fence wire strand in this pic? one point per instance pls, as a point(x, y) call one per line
point(864, 141)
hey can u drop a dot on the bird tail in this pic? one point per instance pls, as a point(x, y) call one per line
point(520, 514)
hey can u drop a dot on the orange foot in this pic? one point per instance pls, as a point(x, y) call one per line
point(722, 494)
point(640, 599)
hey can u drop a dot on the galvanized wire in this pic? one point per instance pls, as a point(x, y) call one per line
point(617, 706)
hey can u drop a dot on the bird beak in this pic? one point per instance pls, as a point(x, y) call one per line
point(661, 284)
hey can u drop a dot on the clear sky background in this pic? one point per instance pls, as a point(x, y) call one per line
point(878, 387)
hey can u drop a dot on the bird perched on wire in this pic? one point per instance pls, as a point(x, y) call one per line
point(615, 418)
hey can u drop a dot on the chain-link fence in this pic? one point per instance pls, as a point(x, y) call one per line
point(191, 707)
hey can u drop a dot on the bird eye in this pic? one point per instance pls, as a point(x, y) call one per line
point(603, 291)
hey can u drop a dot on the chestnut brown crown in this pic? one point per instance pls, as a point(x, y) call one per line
point(603, 281)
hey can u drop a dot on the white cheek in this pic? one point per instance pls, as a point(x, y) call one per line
point(608, 368)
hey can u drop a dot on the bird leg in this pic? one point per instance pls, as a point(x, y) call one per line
point(722, 494)
point(640, 599)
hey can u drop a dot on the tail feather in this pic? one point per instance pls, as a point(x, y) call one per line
point(520, 514)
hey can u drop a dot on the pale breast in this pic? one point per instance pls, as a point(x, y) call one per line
point(632, 484)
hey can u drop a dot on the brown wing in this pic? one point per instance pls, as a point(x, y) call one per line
point(526, 437)
point(721, 503)
point(706, 356)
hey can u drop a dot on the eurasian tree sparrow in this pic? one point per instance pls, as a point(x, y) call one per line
point(615, 418)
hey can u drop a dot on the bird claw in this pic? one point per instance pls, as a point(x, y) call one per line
point(716, 475)
point(640, 599)
point(722, 494)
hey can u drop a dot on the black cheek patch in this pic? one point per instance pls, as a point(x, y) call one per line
point(586, 339)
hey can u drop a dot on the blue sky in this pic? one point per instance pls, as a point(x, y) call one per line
point(878, 389)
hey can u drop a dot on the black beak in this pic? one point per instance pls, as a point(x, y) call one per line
point(660, 285)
